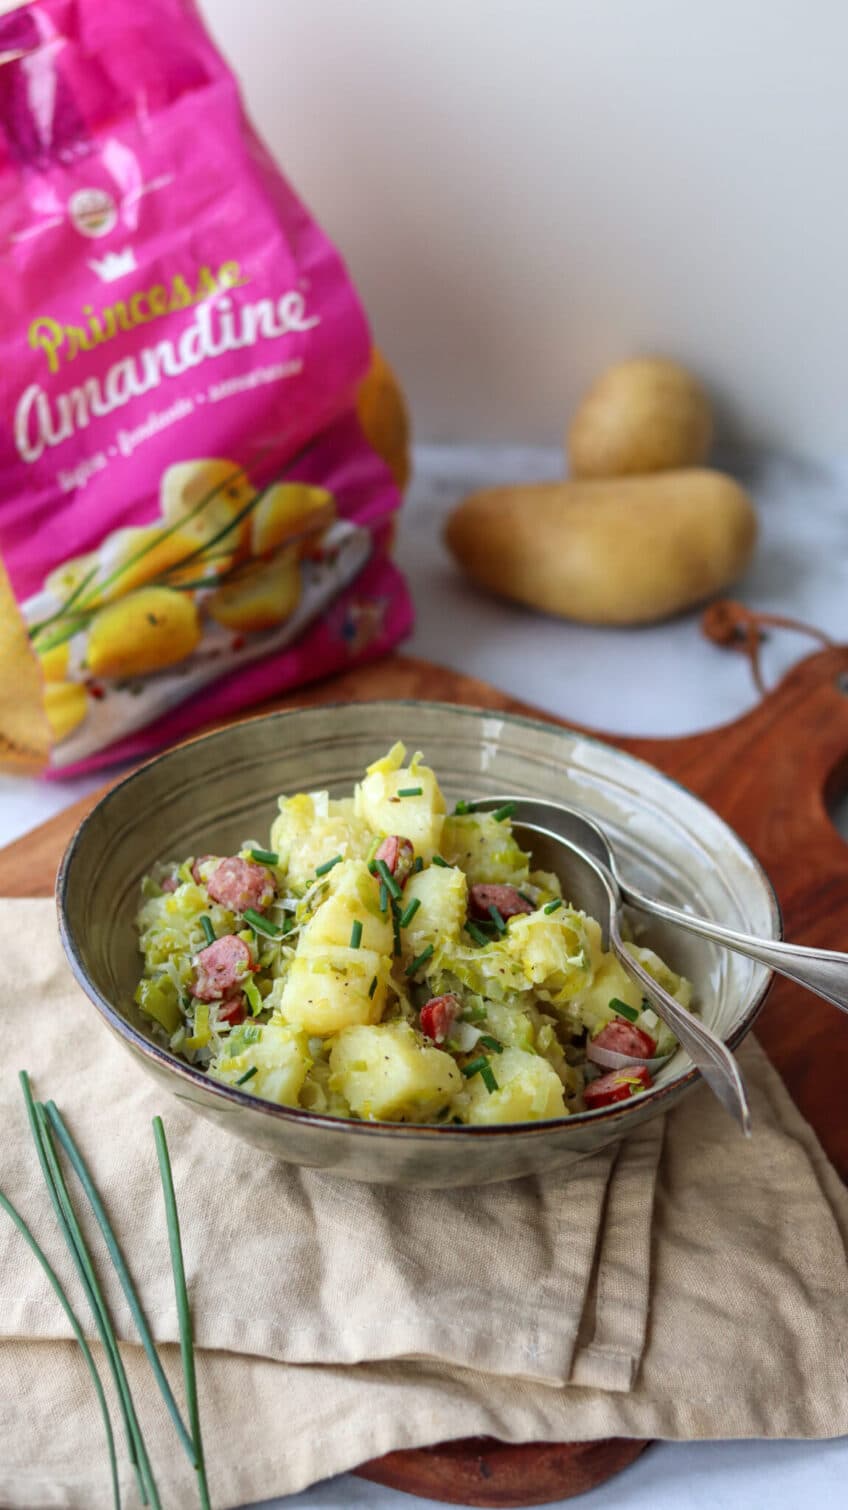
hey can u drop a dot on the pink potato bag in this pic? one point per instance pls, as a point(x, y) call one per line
point(191, 518)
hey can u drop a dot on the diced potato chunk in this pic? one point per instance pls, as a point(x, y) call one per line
point(329, 988)
point(593, 1008)
point(443, 894)
point(484, 848)
point(279, 1056)
point(354, 897)
point(311, 829)
point(419, 818)
point(529, 1090)
point(387, 1074)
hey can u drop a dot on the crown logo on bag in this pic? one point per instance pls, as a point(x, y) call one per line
point(114, 265)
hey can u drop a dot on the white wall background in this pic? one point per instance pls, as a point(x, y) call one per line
point(527, 189)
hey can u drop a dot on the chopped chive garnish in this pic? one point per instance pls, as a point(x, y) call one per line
point(356, 934)
point(384, 896)
point(251, 991)
point(461, 809)
point(321, 870)
point(418, 864)
point(622, 1009)
point(525, 898)
point(477, 934)
point(437, 860)
point(501, 813)
point(474, 1066)
point(420, 960)
point(262, 925)
point(473, 1014)
point(388, 879)
point(552, 906)
point(288, 924)
point(248, 1075)
point(265, 856)
point(487, 1075)
point(410, 791)
point(372, 866)
point(206, 925)
point(395, 930)
point(372, 988)
point(407, 916)
point(490, 1043)
point(183, 1312)
point(497, 919)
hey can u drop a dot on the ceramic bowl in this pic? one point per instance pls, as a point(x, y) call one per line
point(214, 792)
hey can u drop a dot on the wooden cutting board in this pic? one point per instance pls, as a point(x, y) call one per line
point(773, 776)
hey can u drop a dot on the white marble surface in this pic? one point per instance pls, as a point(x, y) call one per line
point(662, 680)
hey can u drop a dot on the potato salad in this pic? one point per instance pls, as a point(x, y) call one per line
point(386, 960)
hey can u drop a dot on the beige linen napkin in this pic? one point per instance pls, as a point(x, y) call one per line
point(338, 1322)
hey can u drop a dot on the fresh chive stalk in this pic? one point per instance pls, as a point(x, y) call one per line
point(409, 913)
point(490, 1043)
point(262, 925)
point(474, 1066)
point(621, 1009)
point(81, 1171)
point(502, 813)
point(388, 879)
point(206, 925)
point(322, 870)
point(487, 1075)
point(53, 1278)
point(265, 856)
point(356, 934)
point(81, 1256)
point(419, 960)
point(69, 1228)
point(552, 906)
point(497, 918)
point(186, 1341)
point(248, 1075)
point(410, 791)
point(384, 896)
point(439, 860)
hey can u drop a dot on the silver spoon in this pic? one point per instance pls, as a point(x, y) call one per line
point(822, 971)
point(591, 884)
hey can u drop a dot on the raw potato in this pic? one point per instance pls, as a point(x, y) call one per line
point(646, 415)
point(143, 632)
point(630, 550)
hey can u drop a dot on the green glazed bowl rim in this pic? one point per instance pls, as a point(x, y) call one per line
point(181, 1069)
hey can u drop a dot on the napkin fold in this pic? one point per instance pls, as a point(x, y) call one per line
point(335, 1322)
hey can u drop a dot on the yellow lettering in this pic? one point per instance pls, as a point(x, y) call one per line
point(136, 312)
point(50, 337)
point(181, 295)
point(229, 275)
point(206, 285)
point(77, 341)
point(158, 300)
